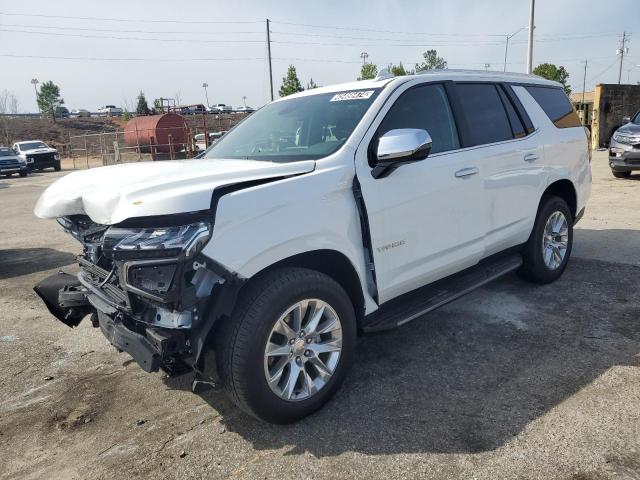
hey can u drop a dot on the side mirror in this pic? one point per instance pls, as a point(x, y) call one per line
point(626, 119)
point(403, 145)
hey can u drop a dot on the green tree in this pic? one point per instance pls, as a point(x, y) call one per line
point(49, 99)
point(311, 85)
point(157, 105)
point(126, 115)
point(552, 72)
point(368, 71)
point(291, 83)
point(399, 70)
point(431, 61)
point(142, 108)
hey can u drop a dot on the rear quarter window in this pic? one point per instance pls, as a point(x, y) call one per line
point(556, 105)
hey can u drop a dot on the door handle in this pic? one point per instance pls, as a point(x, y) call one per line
point(467, 172)
point(531, 157)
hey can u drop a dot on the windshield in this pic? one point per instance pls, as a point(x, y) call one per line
point(636, 119)
point(305, 128)
point(32, 145)
point(6, 152)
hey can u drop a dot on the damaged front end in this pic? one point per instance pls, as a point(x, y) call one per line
point(148, 288)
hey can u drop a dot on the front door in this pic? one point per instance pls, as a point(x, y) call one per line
point(427, 218)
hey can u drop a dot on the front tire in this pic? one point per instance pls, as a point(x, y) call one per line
point(624, 174)
point(57, 167)
point(269, 365)
point(547, 252)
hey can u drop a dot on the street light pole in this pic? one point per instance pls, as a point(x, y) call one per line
point(364, 56)
point(244, 100)
point(506, 47)
point(206, 94)
point(34, 82)
point(530, 46)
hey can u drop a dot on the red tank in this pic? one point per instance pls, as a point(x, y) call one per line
point(156, 129)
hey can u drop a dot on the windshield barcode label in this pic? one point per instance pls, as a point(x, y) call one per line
point(359, 95)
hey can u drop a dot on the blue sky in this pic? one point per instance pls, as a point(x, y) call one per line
point(168, 47)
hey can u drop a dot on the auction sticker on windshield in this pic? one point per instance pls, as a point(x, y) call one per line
point(359, 95)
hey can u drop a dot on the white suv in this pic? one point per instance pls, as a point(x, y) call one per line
point(326, 214)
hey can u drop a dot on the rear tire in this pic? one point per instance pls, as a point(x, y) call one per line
point(625, 174)
point(547, 252)
point(243, 340)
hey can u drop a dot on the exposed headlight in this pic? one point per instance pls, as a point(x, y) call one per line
point(182, 239)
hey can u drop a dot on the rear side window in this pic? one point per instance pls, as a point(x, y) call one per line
point(425, 107)
point(486, 116)
point(556, 105)
point(516, 124)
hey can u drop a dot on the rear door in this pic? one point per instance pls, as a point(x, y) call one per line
point(426, 219)
point(511, 158)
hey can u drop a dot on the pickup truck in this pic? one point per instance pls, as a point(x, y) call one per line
point(324, 215)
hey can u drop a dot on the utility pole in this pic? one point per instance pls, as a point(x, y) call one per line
point(205, 85)
point(364, 56)
point(269, 54)
point(34, 82)
point(621, 51)
point(584, 81)
point(244, 100)
point(531, 27)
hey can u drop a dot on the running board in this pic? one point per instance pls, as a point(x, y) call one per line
point(414, 304)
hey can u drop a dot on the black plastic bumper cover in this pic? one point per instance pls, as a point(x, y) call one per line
point(128, 341)
point(53, 288)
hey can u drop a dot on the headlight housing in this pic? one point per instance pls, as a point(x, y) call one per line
point(184, 240)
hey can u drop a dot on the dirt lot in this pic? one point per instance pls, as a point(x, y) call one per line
point(512, 381)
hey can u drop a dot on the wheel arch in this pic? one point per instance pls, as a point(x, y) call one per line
point(333, 264)
point(564, 189)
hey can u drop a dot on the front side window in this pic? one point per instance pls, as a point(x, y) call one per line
point(487, 119)
point(425, 107)
point(304, 128)
point(556, 105)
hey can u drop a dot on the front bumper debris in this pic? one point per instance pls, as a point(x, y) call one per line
point(65, 298)
point(135, 344)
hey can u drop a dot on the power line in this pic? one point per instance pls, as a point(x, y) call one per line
point(112, 30)
point(108, 19)
point(103, 59)
point(353, 29)
point(110, 37)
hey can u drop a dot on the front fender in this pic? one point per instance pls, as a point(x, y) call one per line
point(265, 224)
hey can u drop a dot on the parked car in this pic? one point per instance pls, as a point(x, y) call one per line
point(80, 112)
point(245, 109)
point(62, 112)
point(624, 148)
point(110, 111)
point(352, 208)
point(11, 162)
point(38, 155)
point(198, 139)
point(191, 109)
point(220, 108)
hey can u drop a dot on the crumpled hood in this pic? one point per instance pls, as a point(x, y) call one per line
point(109, 195)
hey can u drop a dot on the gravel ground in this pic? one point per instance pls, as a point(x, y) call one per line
point(512, 381)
